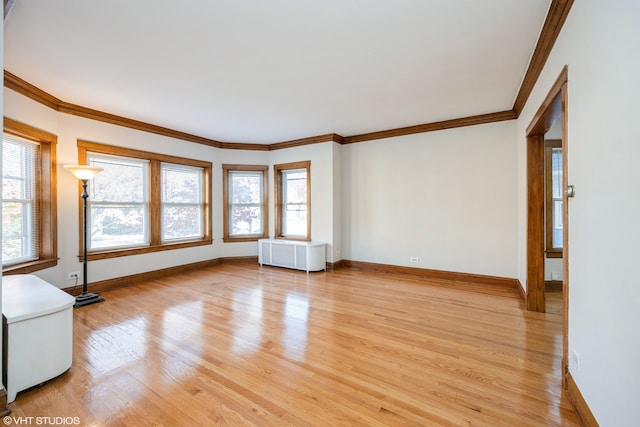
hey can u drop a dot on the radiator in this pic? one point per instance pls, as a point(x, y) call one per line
point(307, 256)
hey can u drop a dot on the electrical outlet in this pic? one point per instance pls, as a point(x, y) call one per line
point(74, 275)
point(575, 358)
point(415, 259)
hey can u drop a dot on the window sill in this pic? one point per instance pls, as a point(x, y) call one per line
point(29, 267)
point(116, 253)
point(554, 254)
point(252, 238)
point(297, 238)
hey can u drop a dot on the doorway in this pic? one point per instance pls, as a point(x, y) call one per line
point(552, 110)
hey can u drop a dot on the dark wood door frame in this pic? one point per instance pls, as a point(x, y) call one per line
point(553, 108)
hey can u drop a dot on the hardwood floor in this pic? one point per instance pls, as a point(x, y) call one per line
point(244, 345)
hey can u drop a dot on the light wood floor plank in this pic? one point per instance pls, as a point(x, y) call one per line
point(241, 345)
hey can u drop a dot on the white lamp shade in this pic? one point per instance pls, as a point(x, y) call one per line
point(83, 172)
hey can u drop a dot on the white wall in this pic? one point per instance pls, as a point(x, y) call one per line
point(553, 268)
point(446, 197)
point(336, 253)
point(599, 42)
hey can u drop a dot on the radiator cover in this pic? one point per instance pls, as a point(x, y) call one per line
point(307, 256)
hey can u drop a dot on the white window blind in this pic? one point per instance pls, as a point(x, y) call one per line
point(20, 185)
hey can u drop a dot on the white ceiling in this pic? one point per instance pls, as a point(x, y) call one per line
point(259, 71)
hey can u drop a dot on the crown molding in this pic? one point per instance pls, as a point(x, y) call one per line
point(434, 126)
point(244, 146)
point(330, 137)
point(556, 16)
point(88, 113)
point(25, 88)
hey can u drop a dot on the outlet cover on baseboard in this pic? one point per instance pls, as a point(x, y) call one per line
point(575, 358)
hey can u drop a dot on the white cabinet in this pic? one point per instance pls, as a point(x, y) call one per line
point(38, 332)
point(307, 256)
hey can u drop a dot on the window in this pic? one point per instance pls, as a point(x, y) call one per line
point(293, 201)
point(553, 189)
point(29, 222)
point(118, 204)
point(244, 202)
point(145, 202)
point(20, 183)
point(182, 206)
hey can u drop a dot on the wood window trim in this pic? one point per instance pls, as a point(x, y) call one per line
point(226, 168)
point(277, 178)
point(155, 236)
point(550, 251)
point(48, 210)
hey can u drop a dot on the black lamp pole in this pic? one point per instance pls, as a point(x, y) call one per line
point(86, 297)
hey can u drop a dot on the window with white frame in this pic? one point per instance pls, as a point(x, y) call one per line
point(182, 203)
point(244, 202)
point(118, 202)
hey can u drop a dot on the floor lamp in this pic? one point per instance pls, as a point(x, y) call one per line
point(84, 174)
